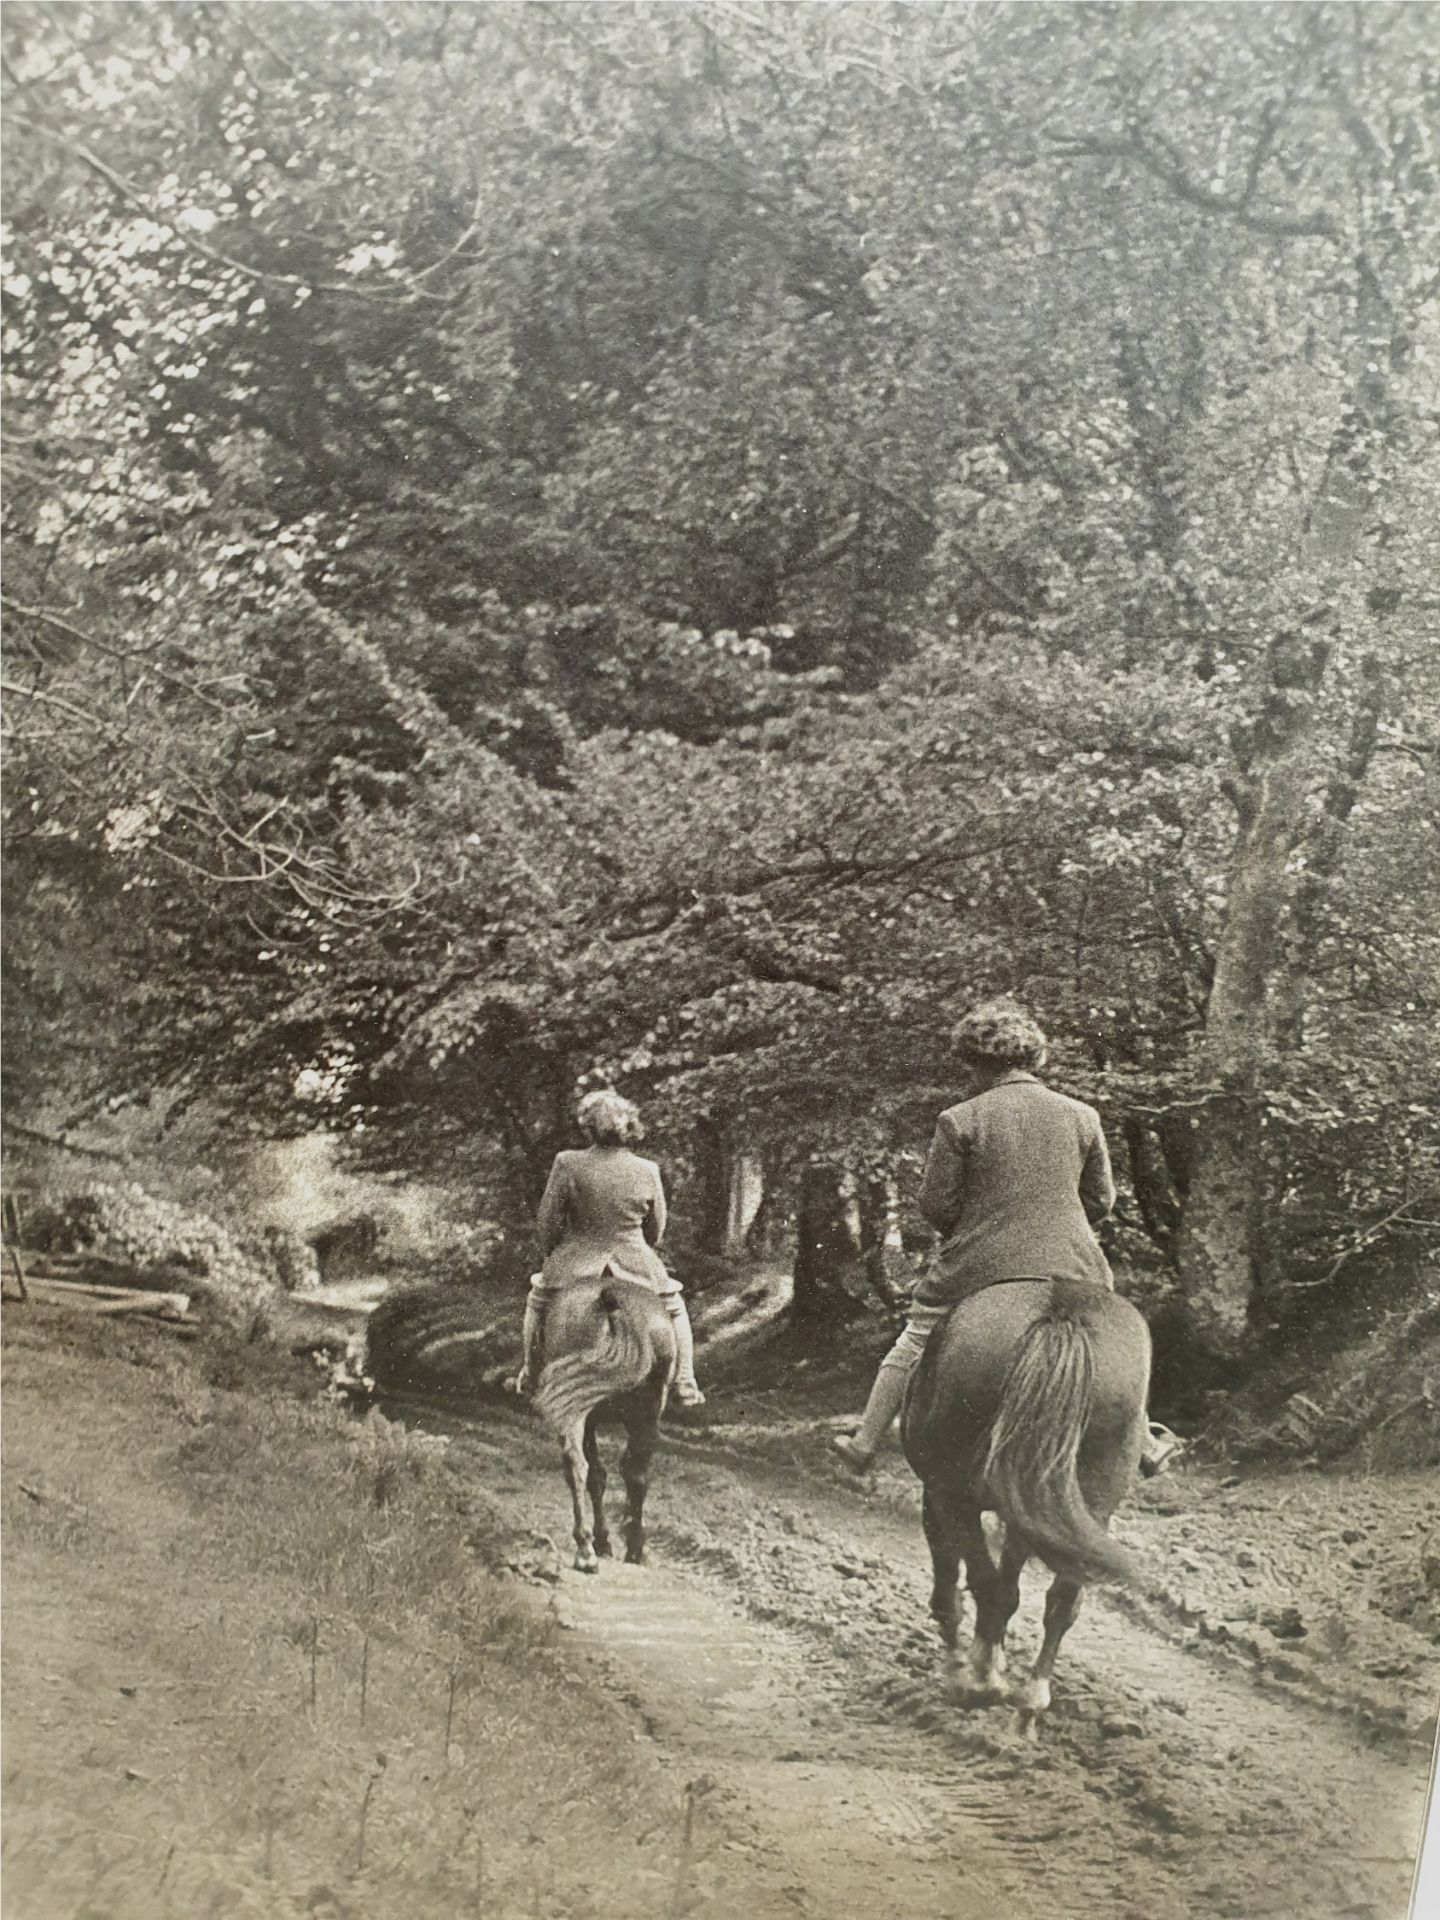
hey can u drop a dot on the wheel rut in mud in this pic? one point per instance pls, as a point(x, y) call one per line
point(778, 1649)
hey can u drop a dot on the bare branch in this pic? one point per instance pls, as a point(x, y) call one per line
point(61, 1140)
point(917, 513)
point(54, 700)
point(123, 654)
point(1163, 163)
point(469, 233)
point(128, 190)
point(1398, 1216)
point(243, 18)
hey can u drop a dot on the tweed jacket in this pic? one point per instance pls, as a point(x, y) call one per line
point(1016, 1180)
point(603, 1212)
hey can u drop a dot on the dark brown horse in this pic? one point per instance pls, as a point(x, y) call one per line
point(609, 1354)
point(1029, 1403)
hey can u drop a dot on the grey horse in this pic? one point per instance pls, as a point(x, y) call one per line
point(609, 1354)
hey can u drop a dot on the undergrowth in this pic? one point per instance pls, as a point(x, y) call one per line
point(370, 1722)
point(147, 1241)
point(1373, 1404)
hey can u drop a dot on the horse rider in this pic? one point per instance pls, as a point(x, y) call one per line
point(603, 1215)
point(1017, 1180)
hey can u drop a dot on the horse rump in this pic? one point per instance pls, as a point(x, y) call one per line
point(607, 1346)
point(1030, 1463)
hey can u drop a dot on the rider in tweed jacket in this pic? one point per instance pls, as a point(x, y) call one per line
point(1017, 1180)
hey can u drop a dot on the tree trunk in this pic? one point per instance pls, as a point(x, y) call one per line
point(830, 1273)
point(1155, 1192)
point(745, 1193)
point(1323, 855)
point(1219, 1237)
point(732, 1190)
point(768, 1223)
point(886, 1268)
point(711, 1178)
point(1219, 1234)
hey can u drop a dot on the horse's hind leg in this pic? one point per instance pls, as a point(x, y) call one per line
point(1032, 1695)
point(942, 1536)
point(596, 1479)
point(643, 1434)
point(996, 1590)
point(577, 1473)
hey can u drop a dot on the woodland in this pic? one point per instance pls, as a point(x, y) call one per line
point(681, 546)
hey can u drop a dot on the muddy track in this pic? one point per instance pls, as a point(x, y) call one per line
point(777, 1646)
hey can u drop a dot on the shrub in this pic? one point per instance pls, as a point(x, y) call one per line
point(291, 1258)
point(129, 1226)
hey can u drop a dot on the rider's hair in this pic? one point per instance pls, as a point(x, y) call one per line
point(1000, 1034)
point(609, 1118)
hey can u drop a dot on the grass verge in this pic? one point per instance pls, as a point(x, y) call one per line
point(255, 1665)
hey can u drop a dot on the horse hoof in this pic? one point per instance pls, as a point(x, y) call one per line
point(635, 1557)
point(586, 1563)
point(968, 1689)
point(985, 1671)
point(971, 1695)
point(1031, 1697)
point(604, 1549)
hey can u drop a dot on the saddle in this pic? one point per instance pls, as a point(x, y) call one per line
point(974, 1287)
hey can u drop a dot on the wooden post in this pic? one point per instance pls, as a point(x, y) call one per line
point(679, 1897)
point(12, 1220)
point(450, 1708)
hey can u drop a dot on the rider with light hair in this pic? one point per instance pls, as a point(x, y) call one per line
point(1017, 1180)
point(603, 1215)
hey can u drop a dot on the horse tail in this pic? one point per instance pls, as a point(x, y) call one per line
point(621, 1356)
point(1034, 1444)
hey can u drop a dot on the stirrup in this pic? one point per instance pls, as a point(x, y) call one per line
point(1161, 1447)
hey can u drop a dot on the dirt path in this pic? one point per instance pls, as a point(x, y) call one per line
point(171, 1551)
point(778, 1647)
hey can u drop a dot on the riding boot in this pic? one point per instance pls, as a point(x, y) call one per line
point(687, 1392)
point(886, 1397)
point(531, 1337)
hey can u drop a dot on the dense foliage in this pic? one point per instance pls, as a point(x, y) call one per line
point(683, 544)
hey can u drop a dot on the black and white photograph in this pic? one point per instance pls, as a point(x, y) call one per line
point(721, 959)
